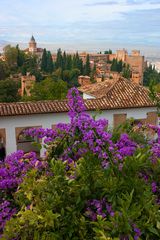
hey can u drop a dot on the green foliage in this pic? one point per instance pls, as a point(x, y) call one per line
point(151, 75)
point(20, 57)
point(126, 73)
point(9, 91)
point(4, 70)
point(93, 72)
point(87, 68)
point(47, 62)
point(48, 89)
point(52, 206)
point(11, 54)
point(108, 51)
point(130, 127)
point(154, 95)
point(68, 68)
point(117, 66)
point(44, 60)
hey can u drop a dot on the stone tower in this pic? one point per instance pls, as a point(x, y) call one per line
point(32, 45)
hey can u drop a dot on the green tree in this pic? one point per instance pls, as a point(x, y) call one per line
point(49, 67)
point(11, 54)
point(150, 74)
point(9, 91)
point(117, 66)
point(4, 70)
point(68, 62)
point(44, 61)
point(126, 73)
point(20, 57)
point(114, 65)
point(108, 51)
point(49, 89)
point(87, 67)
point(93, 73)
point(73, 81)
point(59, 60)
point(64, 60)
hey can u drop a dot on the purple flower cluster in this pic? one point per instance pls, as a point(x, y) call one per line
point(156, 190)
point(154, 143)
point(98, 208)
point(12, 172)
point(15, 167)
point(137, 232)
point(75, 103)
point(6, 212)
point(125, 146)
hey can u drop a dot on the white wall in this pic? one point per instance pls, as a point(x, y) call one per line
point(44, 120)
point(86, 96)
point(47, 120)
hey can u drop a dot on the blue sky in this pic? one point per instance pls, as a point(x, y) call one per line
point(135, 22)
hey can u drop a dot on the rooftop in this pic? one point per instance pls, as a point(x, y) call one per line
point(97, 90)
point(121, 94)
point(32, 39)
point(120, 88)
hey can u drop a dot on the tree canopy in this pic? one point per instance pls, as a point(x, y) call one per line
point(9, 91)
point(151, 75)
point(49, 89)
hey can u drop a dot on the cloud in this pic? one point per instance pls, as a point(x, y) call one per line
point(101, 3)
point(85, 21)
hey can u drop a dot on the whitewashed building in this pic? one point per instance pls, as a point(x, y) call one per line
point(122, 100)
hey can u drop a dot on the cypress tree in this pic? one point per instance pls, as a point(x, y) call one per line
point(80, 66)
point(119, 66)
point(68, 62)
point(87, 68)
point(20, 57)
point(64, 60)
point(44, 61)
point(49, 67)
point(114, 65)
point(74, 61)
point(59, 61)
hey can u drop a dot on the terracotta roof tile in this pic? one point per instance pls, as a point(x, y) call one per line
point(97, 90)
point(121, 94)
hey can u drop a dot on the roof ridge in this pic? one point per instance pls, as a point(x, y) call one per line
point(32, 102)
point(112, 86)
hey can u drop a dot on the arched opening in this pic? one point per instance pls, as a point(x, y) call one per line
point(2, 145)
point(26, 143)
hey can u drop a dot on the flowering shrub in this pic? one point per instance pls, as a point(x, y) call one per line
point(12, 172)
point(91, 185)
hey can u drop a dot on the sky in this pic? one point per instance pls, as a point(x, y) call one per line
point(89, 23)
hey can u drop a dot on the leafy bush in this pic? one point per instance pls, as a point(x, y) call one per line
point(90, 185)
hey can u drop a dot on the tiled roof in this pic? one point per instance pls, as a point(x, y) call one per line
point(121, 94)
point(126, 94)
point(117, 90)
point(97, 90)
point(27, 108)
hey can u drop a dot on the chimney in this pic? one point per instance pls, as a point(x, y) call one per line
point(84, 80)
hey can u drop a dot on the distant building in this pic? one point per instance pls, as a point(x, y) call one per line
point(27, 83)
point(33, 48)
point(84, 80)
point(135, 60)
